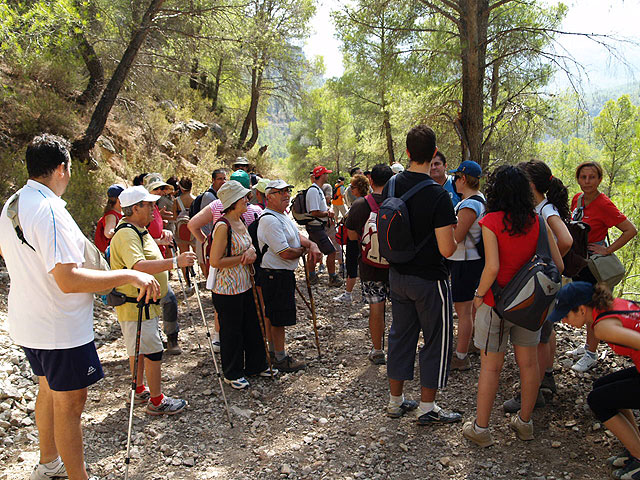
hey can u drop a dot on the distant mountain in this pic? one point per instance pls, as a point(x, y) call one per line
point(596, 99)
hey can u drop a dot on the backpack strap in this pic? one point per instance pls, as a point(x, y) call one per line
point(133, 227)
point(181, 204)
point(373, 205)
point(610, 313)
point(226, 222)
point(12, 213)
point(478, 198)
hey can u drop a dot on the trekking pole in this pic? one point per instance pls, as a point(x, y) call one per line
point(184, 294)
point(303, 298)
point(134, 385)
point(312, 307)
point(261, 317)
point(213, 355)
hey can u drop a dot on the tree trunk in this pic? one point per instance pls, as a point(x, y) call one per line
point(387, 131)
point(473, 26)
point(82, 146)
point(216, 86)
point(251, 120)
point(94, 67)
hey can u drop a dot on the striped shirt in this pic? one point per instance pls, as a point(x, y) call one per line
point(234, 280)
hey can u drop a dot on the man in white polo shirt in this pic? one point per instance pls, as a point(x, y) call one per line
point(51, 304)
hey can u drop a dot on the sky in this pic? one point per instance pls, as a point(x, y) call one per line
point(610, 17)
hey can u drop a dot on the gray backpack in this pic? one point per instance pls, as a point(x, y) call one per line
point(526, 299)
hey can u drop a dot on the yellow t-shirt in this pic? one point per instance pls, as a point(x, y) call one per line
point(127, 250)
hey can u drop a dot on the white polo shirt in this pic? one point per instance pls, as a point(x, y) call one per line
point(40, 315)
point(279, 232)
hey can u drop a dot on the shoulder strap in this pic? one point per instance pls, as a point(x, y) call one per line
point(257, 221)
point(581, 200)
point(181, 204)
point(542, 248)
point(226, 222)
point(12, 213)
point(392, 186)
point(373, 205)
point(478, 198)
point(429, 182)
point(131, 226)
point(610, 313)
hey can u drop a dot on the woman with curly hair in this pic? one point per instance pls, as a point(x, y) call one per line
point(551, 198)
point(510, 232)
point(617, 322)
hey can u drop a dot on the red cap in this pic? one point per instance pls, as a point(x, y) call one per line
point(320, 170)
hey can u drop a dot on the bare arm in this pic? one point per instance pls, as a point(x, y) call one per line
point(321, 214)
point(195, 224)
point(561, 232)
point(466, 217)
point(152, 267)
point(611, 330)
point(71, 279)
point(555, 253)
point(628, 232)
point(110, 226)
point(491, 265)
point(446, 242)
point(219, 249)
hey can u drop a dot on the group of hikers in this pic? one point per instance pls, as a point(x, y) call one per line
point(424, 238)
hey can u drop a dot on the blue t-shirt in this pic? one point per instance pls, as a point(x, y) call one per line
point(448, 186)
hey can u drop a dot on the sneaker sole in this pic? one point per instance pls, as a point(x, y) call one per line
point(157, 413)
point(437, 422)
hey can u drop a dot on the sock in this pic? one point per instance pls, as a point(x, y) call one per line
point(520, 418)
point(461, 356)
point(53, 463)
point(426, 407)
point(157, 400)
point(395, 401)
point(280, 355)
point(216, 336)
point(140, 389)
point(479, 429)
point(591, 354)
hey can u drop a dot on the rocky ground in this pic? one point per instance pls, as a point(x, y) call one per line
point(325, 422)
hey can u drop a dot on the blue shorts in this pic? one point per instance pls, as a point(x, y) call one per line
point(66, 369)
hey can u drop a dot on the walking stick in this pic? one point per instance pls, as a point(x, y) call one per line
point(184, 294)
point(261, 317)
point(303, 298)
point(191, 271)
point(312, 306)
point(134, 385)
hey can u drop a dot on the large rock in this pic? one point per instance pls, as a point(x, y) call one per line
point(192, 128)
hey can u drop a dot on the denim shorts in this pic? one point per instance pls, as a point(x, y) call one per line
point(66, 369)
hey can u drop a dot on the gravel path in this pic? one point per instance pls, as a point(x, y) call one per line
point(325, 422)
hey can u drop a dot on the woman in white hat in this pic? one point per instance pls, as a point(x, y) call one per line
point(232, 253)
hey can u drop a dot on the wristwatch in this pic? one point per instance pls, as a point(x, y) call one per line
point(475, 294)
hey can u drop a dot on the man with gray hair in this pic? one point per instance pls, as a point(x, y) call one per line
point(281, 245)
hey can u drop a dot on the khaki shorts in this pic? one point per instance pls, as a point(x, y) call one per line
point(487, 324)
point(150, 341)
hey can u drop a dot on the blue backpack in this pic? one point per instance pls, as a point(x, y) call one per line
point(395, 239)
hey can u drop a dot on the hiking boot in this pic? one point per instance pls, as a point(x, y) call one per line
point(620, 460)
point(396, 411)
point(43, 472)
point(237, 384)
point(524, 430)
point(288, 364)
point(377, 357)
point(587, 362)
point(344, 297)
point(168, 406)
point(334, 280)
point(549, 383)
point(577, 352)
point(460, 364)
point(482, 439)
point(513, 404)
point(314, 279)
point(172, 345)
point(142, 397)
point(438, 415)
point(631, 471)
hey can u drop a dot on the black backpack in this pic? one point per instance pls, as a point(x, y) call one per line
point(194, 208)
point(299, 208)
point(396, 241)
point(526, 299)
point(253, 231)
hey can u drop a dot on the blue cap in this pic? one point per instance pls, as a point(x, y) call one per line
point(469, 167)
point(569, 297)
point(115, 190)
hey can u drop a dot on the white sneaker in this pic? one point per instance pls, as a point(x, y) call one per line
point(577, 352)
point(585, 363)
point(344, 298)
point(216, 344)
point(42, 472)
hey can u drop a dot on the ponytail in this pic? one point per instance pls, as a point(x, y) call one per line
point(558, 196)
point(602, 298)
point(544, 182)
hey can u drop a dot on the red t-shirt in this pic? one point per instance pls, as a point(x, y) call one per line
point(155, 227)
point(600, 215)
point(514, 250)
point(629, 320)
